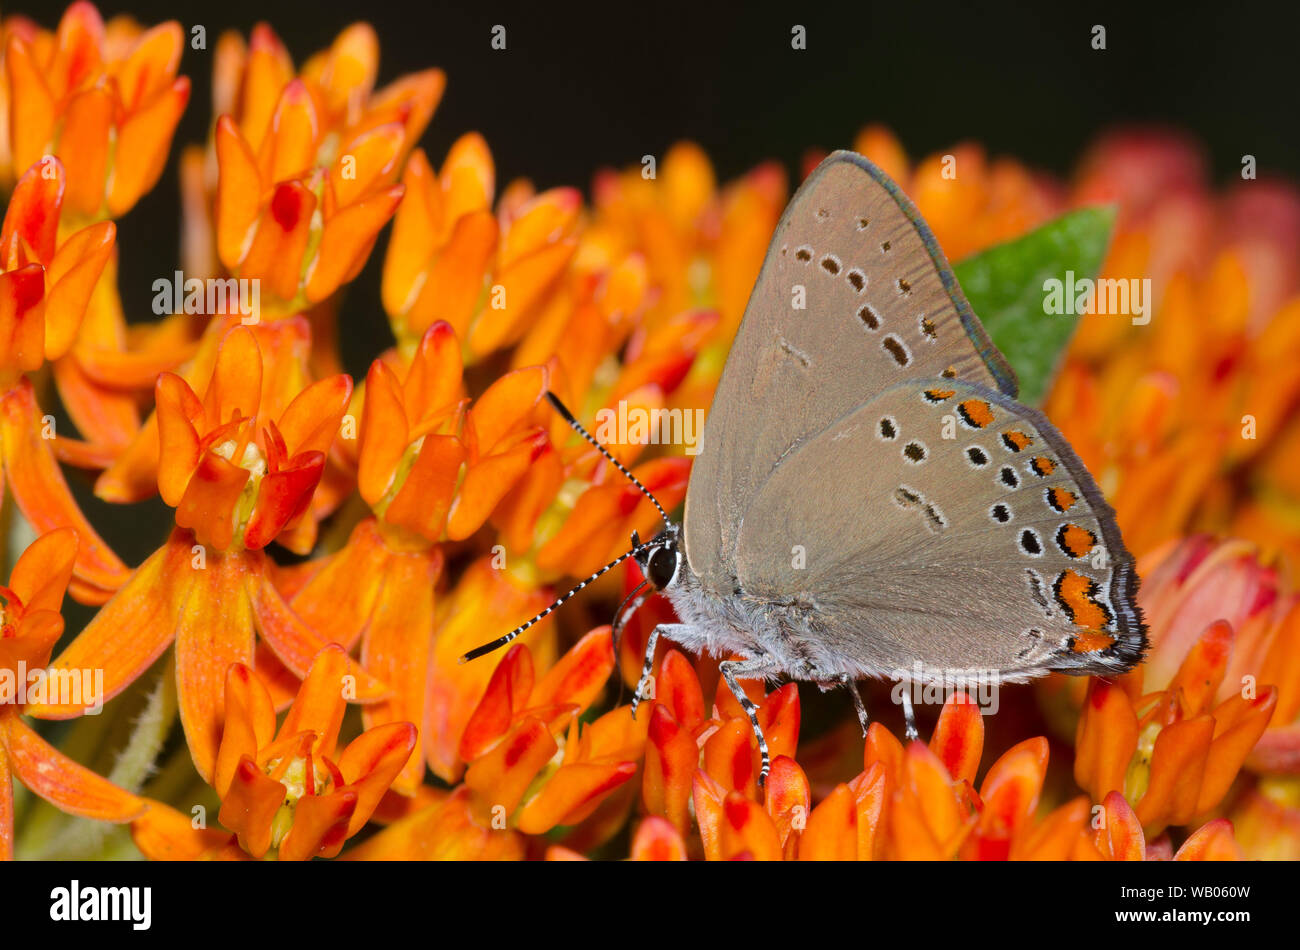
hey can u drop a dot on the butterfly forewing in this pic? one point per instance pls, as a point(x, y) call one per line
point(854, 296)
point(944, 522)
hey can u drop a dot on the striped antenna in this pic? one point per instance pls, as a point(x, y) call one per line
point(497, 644)
point(563, 410)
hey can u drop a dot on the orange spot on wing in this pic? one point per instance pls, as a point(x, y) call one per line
point(1062, 499)
point(1042, 466)
point(976, 412)
point(1090, 641)
point(1077, 595)
point(1016, 440)
point(1075, 540)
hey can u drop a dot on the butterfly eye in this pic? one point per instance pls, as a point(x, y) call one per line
point(662, 567)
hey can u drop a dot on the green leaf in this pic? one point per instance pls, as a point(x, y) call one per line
point(1005, 288)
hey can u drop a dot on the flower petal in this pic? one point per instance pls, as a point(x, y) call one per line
point(72, 277)
point(507, 694)
point(1239, 724)
point(131, 631)
point(1106, 739)
point(34, 208)
point(22, 320)
point(62, 782)
point(239, 189)
point(249, 806)
point(164, 834)
point(319, 706)
point(283, 229)
point(831, 834)
point(958, 737)
point(41, 574)
point(33, 109)
point(320, 826)
point(1213, 841)
point(213, 630)
point(671, 760)
point(1010, 793)
point(571, 793)
point(429, 489)
point(500, 778)
point(581, 674)
point(143, 142)
point(747, 829)
point(339, 598)
point(372, 762)
point(249, 724)
point(1177, 764)
point(295, 643)
point(787, 797)
point(657, 840)
point(455, 280)
point(397, 647)
point(1121, 837)
point(346, 241)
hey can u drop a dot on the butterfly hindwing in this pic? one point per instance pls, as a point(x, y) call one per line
point(944, 521)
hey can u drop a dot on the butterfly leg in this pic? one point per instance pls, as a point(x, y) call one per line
point(848, 682)
point(760, 667)
point(651, 642)
point(909, 716)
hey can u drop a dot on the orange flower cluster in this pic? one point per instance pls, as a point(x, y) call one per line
point(440, 501)
point(1190, 421)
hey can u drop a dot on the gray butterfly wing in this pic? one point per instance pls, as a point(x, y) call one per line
point(880, 304)
point(946, 521)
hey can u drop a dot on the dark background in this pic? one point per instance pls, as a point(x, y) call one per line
point(582, 86)
point(590, 85)
point(585, 86)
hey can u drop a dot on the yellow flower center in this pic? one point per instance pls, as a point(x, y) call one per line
point(1139, 770)
point(400, 474)
point(294, 781)
point(255, 463)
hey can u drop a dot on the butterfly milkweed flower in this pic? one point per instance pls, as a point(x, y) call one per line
point(30, 624)
point(1189, 420)
point(106, 101)
point(45, 284)
point(290, 792)
point(306, 165)
point(432, 468)
point(236, 478)
point(452, 259)
point(1208, 724)
point(702, 244)
point(917, 801)
point(530, 766)
point(297, 182)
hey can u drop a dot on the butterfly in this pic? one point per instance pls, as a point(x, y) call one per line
point(869, 499)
